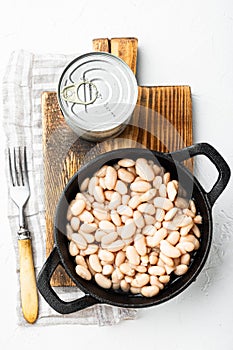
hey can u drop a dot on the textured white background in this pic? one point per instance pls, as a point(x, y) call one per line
point(180, 42)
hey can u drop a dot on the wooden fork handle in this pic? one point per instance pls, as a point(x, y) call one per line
point(28, 288)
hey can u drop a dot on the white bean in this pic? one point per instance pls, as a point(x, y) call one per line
point(157, 182)
point(120, 258)
point(84, 184)
point(153, 258)
point(167, 261)
point(153, 241)
point(146, 208)
point(163, 191)
point(192, 206)
point(98, 194)
point(88, 228)
point(126, 162)
point(73, 249)
point(124, 286)
point(141, 268)
point(125, 199)
point(166, 178)
point(128, 229)
point(121, 187)
point(140, 186)
point(89, 237)
point(187, 246)
point(149, 291)
point(163, 203)
point(182, 220)
point(134, 202)
point(115, 201)
point(110, 178)
point(91, 249)
point(101, 214)
point(79, 240)
point(95, 263)
point(169, 225)
point(140, 244)
point(148, 195)
point(149, 230)
point(144, 170)
point(114, 246)
point(107, 226)
point(185, 229)
point(164, 279)
point(188, 212)
point(181, 203)
point(80, 261)
point(109, 238)
point(197, 219)
point(169, 250)
point(102, 171)
point(138, 219)
point(86, 216)
point(135, 290)
point(170, 214)
point(103, 281)
point(102, 183)
point(83, 272)
point(125, 175)
point(75, 222)
point(132, 255)
point(156, 270)
point(126, 269)
point(181, 269)
point(154, 281)
point(196, 231)
point(107, 256)
point(173, 237)
point(77, 207)
point(185, 259)
point(108, 194)
point(160, 214)
point(171, 191)
point(107, 270)
point(149, 219)
point(115, 217)
point(157, 169)
point(99, 234)
point(124, 210)
point(140, 280)
point(92, 183)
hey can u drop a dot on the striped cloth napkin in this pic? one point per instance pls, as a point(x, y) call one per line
point(27, 76)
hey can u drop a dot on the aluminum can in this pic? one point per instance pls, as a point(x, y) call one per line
point(97, 94)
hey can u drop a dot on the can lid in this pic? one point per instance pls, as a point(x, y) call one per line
point(97, 91)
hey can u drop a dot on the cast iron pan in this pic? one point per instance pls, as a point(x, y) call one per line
point(95, 294)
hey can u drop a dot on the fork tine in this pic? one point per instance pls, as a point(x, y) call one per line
point(21, 170)
point(25, 165)
point(10, 167)
point(16, 168)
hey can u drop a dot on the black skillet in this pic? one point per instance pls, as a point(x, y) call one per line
point(94, 294)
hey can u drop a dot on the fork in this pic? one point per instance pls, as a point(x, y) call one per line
point(20, 193)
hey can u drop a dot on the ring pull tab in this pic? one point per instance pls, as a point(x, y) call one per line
point(71, 93)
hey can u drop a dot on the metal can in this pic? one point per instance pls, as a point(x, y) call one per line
point(97, 94)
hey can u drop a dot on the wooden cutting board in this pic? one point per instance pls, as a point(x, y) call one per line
point(162, 121)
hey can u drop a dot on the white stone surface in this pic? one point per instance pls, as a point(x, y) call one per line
point(180, 42)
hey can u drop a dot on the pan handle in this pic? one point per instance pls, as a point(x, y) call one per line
point(44, 286)
point(211, 153)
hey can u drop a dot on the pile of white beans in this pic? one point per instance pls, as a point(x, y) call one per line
point(128, 228)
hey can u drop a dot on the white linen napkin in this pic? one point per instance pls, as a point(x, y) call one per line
point(27, 76)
